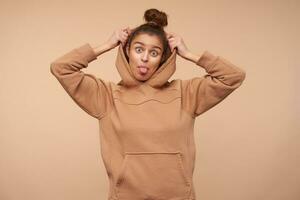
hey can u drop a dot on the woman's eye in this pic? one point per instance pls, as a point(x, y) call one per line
point(155, 53)
point(137, 49)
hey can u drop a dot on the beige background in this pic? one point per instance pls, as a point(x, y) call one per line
point(248, 147)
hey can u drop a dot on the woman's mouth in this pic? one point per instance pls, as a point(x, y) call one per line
point(143, 70)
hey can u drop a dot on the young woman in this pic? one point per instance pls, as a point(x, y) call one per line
point(146, 121)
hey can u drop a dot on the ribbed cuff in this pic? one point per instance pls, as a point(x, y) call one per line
point(206, 60)
point(87, 52)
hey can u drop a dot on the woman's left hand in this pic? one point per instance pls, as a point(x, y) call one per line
point(175, 41)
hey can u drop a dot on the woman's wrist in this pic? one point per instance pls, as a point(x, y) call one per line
point(193, 57)
point(101, 48)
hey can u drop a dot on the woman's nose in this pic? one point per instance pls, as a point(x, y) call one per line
point(145, 57)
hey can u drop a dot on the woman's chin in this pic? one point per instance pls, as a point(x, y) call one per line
point(141, 78)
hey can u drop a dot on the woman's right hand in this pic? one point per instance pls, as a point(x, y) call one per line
point(119, 36)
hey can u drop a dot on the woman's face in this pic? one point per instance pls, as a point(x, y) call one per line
point(145, 54)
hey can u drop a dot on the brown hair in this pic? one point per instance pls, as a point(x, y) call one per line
point(155, 22)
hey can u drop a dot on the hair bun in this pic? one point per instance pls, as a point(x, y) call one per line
point(156, 17)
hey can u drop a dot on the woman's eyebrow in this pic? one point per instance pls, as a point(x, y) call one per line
point(144, 44)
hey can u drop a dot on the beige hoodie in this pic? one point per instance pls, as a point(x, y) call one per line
point(147, 129)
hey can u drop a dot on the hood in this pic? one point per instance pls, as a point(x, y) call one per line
point(158, 78)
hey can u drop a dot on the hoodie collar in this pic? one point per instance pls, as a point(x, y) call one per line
point(158, 78)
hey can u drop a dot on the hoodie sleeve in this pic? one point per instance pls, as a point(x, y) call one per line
point(90, 93)
point(199, 94)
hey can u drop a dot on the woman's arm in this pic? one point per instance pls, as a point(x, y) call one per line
point(92, 94)
point(101, 48)
point(193, 57)
point(118, 36)
point(199, 94)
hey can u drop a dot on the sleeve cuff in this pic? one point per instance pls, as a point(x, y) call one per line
point(206, 60)
point(87, 52)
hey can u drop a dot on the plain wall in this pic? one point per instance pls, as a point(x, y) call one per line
point(248, 146)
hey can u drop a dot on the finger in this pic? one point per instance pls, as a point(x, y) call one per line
point(169, 35)
point(123, 37)
point(124, 34)
point(172, 40)
point(171, 47)
point(123, 41)
point(129, 30)
point(124, 29)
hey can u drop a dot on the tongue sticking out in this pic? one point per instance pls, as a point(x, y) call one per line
point(143, 70)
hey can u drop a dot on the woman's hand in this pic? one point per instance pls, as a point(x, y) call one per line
point(175, 41)
point(119, 36)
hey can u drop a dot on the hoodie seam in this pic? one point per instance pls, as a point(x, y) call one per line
point(193, 116)
point(152, 99)
point(111, 106)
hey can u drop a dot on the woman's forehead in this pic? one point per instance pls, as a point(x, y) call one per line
point(148, 40)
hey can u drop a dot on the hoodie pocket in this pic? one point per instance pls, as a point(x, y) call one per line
point(152, 175)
